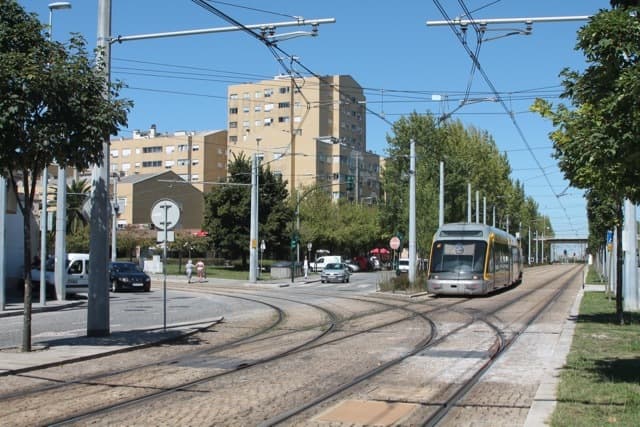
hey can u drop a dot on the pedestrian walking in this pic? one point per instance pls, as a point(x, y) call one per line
point(189, 269)
point(305, 266)
point(200, 270)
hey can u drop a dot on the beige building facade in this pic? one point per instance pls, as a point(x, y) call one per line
point(197, 157)
point(311, 131)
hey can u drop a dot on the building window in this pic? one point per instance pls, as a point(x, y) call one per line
point(257, 109)
point(126, 166)
point(283, 105)
point(284, 89)
point(195, 178)
point(152, 164)
point(257, 123)
point(154, 149)
point(233, 138)
point(183, 147)
point(246, 95)
point(169, 149)
point(245, 124)
point(183, 162)
point(137, 166)
point(195, 162)
point(168, 164)
point(195, 148)
point(336, 177)
point(258, 94)
point(233, 125)
point(233, 110)
point(268, 92)
point(283, 119)
point(114, 153)
point(245, 109)
point(268, 121)
point(268, 107)
point(126, 152)
point(233, 96)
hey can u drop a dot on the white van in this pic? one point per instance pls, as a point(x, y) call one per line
point(319, 264)
point(77, 274)
point(403, 265)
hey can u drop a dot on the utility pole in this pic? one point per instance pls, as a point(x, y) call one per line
point(98, 298)
point(3, 216)
point(441, 198)
point(412, 212)
point(253, 244)
point(469, 203)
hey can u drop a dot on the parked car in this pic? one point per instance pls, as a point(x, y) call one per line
point(403, 265)
point(352, 266)
point(335, 272)
point(128, 276)
point(77, 274)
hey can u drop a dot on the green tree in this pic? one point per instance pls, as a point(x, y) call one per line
point(52, 109)
point(228, 211)
point(596, 138)
point(470, 156)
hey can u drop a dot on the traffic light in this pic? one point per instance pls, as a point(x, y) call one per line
point(294, 240)
point(350, 185)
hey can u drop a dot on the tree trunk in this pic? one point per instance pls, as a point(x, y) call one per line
point(26, 328)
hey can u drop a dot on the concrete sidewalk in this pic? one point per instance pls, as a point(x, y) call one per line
point(66, 350)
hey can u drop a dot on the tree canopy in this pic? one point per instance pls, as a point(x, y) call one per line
point(470, 156)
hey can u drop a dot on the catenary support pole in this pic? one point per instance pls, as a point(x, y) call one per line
point(412, 212)
point(3, 242)
point(441, 213)
point(630, 249)
point(469, 203)
point(60, 272)
point(253, 239)
point(98, 297)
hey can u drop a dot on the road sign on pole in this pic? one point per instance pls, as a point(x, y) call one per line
point(394, 243)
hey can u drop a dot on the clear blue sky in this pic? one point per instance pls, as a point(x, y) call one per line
point(180, 83)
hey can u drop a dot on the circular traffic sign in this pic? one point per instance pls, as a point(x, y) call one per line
point(165, 214)
point(394, 243)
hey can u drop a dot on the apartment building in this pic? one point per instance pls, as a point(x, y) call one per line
point(311, 131)
point(197, 157)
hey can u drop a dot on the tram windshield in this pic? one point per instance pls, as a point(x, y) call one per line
point(462, 256)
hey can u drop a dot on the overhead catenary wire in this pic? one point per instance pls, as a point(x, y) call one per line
point(499, 98)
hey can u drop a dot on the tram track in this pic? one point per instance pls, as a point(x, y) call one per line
point(339, 327)
point(97, 380)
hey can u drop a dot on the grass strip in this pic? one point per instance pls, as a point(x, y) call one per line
point(600, 383)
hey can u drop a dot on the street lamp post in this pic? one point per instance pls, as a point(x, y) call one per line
point(60, 249)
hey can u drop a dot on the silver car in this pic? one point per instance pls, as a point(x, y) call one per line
point(335, 272)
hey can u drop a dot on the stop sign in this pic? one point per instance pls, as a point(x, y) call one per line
point(394, 243)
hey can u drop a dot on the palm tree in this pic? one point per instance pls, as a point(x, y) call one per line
point(77, 194)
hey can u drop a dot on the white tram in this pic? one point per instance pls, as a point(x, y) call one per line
point(473, 259)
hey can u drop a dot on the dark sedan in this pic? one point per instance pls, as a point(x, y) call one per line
point(128, 276)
